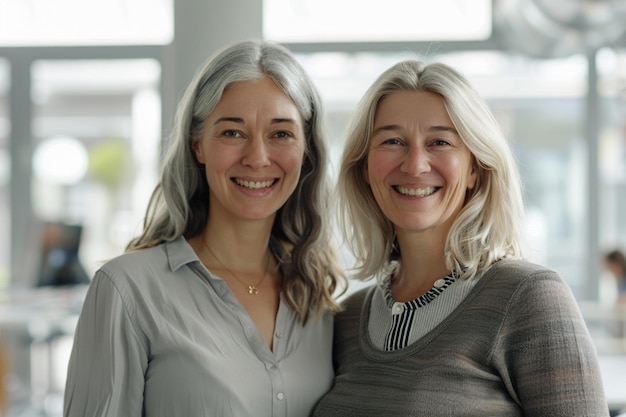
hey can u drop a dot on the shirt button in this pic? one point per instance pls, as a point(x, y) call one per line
point(280, 396)
point(397, 308)
point(279, 335)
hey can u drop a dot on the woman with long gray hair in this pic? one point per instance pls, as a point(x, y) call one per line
point(223, 305)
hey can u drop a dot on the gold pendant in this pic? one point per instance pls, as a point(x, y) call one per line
point(252, 290)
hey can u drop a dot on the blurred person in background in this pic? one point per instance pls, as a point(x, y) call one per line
point(223, 305)
point(457, 322)
point(615, 263)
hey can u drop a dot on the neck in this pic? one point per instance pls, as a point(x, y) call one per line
point(241, 245)
point(248, 266)
point(421, 265)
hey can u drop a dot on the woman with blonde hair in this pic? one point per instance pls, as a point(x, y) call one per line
point(457, 323)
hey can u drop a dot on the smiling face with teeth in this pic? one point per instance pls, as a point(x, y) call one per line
point(252, 148)
point(418, 167)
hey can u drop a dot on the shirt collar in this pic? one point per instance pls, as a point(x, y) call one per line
point(179, 253)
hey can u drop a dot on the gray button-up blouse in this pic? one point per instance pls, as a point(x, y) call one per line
point(159, 335)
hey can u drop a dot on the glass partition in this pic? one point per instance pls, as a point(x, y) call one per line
point(5, 175)
point(96, 127)
point(541, 106)
point(295, 21)
point(612, 151)
point(76, 22)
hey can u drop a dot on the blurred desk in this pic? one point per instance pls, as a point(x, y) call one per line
point(607, 326)
point(613, 368)
point(33, 323)
point(23, 306)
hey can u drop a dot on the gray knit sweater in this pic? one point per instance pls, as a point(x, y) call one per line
point(516, 346)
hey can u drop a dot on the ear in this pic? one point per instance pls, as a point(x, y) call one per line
point(473, 175)
point(197, 149)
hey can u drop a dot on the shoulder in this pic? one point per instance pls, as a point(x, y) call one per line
point(136, 263)
point(514, 273)
point(528, 287)
point(149, 277)
point(131, 258)
point(511, 282)
point(352, 305)
point(520, 268)
point(355, 300)
point(138, 270)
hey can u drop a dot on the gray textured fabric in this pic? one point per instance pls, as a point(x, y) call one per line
point(515, 346)
point(160, 336)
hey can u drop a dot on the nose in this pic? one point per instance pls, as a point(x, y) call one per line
point(256, 154)
point(416, 161)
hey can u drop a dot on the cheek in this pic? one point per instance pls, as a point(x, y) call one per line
point(216, 160)
point(375, 173)
point(377, 168)
point(470, 173)
point(292, 160)
point(460, 170)
point(370, 168)
point(217, 166)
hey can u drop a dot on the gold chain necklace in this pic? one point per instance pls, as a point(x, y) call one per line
point(253, 289)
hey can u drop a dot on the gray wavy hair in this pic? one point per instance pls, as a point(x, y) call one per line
point(179, 205)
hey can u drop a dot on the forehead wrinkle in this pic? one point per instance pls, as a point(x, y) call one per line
point(435, 128)
point(442, 128)
point(385, 128)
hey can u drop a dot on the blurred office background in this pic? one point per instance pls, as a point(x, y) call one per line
point(88, 90)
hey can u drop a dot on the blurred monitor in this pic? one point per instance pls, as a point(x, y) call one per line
point(59, 265)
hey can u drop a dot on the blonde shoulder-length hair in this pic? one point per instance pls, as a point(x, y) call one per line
point(488, 228)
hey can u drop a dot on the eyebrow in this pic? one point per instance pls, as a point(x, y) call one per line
point(435, 128)
point(438, 128)
point(241, 121)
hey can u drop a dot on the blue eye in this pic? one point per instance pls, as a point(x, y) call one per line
point(392, 141)
point(283, 134)
point(231, 133)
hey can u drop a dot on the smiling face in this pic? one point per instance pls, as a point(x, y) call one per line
point(418, 167)
point(253, 147)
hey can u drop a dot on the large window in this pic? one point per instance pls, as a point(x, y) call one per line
point(358, 21)
point(540, 105)
point(77, 22)
point(5, 175)
point(612, 149)
point(96, 128)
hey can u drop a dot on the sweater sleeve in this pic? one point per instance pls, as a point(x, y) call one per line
point(106, 370)
point(545, 354)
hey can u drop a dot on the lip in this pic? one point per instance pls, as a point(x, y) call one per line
point(413, 191)
point(256, 187)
